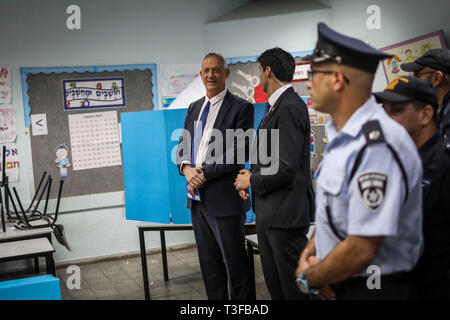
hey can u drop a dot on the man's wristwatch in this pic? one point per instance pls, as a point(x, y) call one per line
point(303, 284)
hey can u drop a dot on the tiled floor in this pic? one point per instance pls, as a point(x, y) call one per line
point(122, 279)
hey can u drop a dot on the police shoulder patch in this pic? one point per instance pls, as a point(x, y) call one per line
point(372, 188)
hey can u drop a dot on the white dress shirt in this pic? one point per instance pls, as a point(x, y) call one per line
point(215, 104)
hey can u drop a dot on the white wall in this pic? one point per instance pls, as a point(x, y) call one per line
point(400, 20)
point(33, 34)
point(249, 37)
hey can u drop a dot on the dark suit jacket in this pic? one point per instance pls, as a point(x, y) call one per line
point(218, 194)
point(286, 198)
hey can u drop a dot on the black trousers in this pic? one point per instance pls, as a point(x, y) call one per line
point(222, 255)
point(431, 279)
point(280, 250)
point(393, 287)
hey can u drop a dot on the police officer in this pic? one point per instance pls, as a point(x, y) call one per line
point(413, 103)
point(434, 67)
point(368, 202)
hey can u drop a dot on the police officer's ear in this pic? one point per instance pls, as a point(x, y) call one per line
point(426, 115)
point(338, 80)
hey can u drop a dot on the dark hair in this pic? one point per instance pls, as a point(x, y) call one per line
point(419, 105)
point(447, 77)
point(219, 56)
point(281, 62)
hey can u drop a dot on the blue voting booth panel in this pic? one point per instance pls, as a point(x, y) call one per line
point(178, 202)
point(36, 288)
point(154, 189)
point(145, 168)
point(259, 112)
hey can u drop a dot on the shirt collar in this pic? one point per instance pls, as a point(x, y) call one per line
point(353, 125)
point(217, 98)
point(274, 97)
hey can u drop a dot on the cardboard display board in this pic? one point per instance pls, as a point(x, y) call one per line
point(46, 93)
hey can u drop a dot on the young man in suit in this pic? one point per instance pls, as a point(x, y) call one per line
point(217, 211)
point(283, 198)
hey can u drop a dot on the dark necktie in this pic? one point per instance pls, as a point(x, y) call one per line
point(266, 111)
point(199, 132)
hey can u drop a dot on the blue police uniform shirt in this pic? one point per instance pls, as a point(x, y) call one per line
point(353, 211)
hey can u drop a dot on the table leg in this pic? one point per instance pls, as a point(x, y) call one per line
point(51, 269)
point(144, 265)
point(164, 255)
point(36, 265)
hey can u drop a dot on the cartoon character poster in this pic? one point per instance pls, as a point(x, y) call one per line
point(408, 51)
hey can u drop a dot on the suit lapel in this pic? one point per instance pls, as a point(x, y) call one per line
point(277, 104)
point(195, 115)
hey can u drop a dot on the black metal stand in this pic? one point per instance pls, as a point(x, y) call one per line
point(3, 184)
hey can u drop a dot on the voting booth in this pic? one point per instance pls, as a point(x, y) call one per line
point(154, 189)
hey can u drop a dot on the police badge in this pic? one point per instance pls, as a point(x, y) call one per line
point(372, 187)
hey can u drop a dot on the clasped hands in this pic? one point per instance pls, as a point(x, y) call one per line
point(194, 177)
point(242, 183)
point(307, 260)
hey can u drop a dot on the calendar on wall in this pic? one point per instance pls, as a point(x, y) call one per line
point(94, 139)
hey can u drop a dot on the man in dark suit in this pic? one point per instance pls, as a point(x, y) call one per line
point(282, 191)
point(217, 210)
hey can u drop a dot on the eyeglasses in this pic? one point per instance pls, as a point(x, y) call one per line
point(418, 74)
point(312, 72)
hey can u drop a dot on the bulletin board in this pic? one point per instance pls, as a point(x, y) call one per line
point(244, 78)
point(44, 92)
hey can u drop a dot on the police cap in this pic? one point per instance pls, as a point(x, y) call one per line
point(408, 88)
point(438, 59)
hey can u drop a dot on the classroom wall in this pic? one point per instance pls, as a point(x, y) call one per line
point(292, 32)
point(168, 32)
point(400, 20)
point(113, 32)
